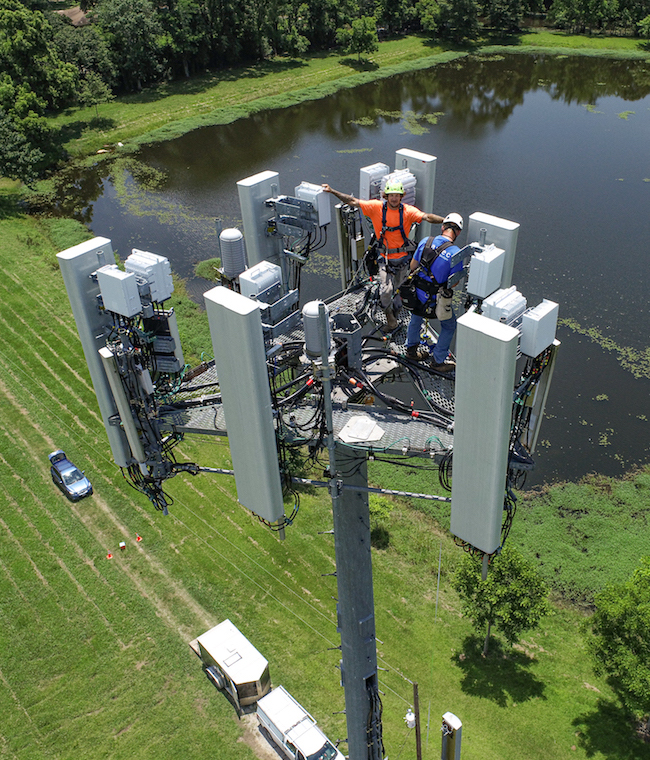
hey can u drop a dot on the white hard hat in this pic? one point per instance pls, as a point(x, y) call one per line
point(454, 218)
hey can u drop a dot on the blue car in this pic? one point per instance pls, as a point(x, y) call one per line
point(74, 484)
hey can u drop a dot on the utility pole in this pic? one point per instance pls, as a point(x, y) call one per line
point(355, 609)
point(416, 709)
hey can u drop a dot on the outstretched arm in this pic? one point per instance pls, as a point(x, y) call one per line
point(433, 218)
point(349, 199)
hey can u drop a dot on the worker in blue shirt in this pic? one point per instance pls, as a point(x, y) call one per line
point(432, 257)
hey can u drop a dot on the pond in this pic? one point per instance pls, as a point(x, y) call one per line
point(556, 143)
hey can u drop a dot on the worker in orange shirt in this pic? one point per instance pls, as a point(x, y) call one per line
point(392, 221)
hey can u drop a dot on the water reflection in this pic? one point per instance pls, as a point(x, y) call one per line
point(473, 93)
point(75, 190)
point(558, 144)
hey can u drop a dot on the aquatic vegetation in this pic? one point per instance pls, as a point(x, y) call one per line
point(389, 114)
point(591, 108)
point(413, 122)
point(136, 186)
point(636, 361)
point(322, 264)
point(146, 177)
point(363, 121)
point(602, 397)
point(625, 114)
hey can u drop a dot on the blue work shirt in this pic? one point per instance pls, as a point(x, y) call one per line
point(441, 269)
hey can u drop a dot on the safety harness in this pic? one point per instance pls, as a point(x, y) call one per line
point(408, 290)
point(427, 259)
point(392, 255)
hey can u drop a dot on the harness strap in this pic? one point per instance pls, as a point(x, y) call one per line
point(429, 256)
point(400, 226)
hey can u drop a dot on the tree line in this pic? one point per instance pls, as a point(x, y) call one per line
point(47, 64)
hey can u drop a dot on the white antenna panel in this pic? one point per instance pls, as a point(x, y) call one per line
point(240, 358)
point(485, 374)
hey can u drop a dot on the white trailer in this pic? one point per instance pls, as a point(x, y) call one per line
point(233, 664)
point(293, 729)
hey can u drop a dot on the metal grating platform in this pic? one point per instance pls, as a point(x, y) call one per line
point(401, 434)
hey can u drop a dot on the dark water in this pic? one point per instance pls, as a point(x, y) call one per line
point(559, 144)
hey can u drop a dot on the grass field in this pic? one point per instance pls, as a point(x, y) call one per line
point(94, 661)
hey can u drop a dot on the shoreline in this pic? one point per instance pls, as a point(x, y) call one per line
point(128, 130)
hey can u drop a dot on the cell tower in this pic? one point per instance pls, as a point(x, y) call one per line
point(288, 382)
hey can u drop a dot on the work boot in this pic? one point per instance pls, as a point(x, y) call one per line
point(391, 322)
point(416, 353)
point(442, 366)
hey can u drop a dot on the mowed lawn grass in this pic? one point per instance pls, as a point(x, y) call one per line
point(94, 661)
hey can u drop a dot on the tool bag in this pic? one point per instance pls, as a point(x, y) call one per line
point(371, 258)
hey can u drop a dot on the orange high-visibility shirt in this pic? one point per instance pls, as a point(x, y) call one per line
point(373, 210)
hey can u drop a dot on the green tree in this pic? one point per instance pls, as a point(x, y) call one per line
point(504, 15)
point(29, 57)
point(583, 15)
point(359, 38)
point(29, 130)
point(620, 644)
point(132, 31)
point(513, 597)
point(94, 91)
point(83, 47)
point(18, 158)
point(185, 39)
point(322, 18)
point(644, 27)
point(222, 19)
point(395, 15)
point(428, 12)
point(455, 20)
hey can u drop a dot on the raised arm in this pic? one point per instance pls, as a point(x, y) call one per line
point(349, 199)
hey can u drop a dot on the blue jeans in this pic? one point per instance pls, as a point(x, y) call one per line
point(447, 330)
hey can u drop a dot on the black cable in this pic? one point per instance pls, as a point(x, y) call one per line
point(409, 464)
point(401, 406)
point(444, 470)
